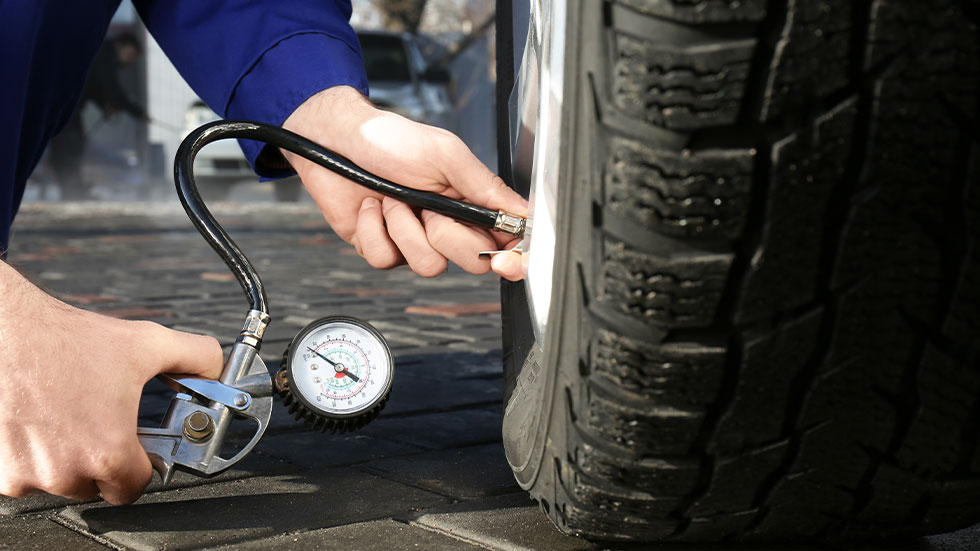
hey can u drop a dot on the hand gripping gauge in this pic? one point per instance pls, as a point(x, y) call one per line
point(336, 374)
point(200, 415)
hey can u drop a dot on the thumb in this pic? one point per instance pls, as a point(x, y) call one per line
point(185, 353)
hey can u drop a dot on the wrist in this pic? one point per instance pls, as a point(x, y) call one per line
point(329, 116)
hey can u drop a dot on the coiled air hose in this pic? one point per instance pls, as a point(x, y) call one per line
point(229, 252)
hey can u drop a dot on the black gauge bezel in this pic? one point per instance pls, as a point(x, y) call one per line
point(317, 410)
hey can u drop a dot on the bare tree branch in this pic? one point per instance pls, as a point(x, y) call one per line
point(401, 15)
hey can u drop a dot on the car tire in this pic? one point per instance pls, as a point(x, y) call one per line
point(765, 304)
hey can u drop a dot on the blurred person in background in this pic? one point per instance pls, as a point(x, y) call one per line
point(102, 89)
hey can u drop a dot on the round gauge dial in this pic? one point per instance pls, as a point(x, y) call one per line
point(336, 373)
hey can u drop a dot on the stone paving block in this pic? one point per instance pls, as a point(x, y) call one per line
point(963, 540)
point(216, 514)
point(413, 391)
point(455, 310)
point(38, 533)
point(309, 449)
point(31, 504)
point(453, 365)
point(439, 430)
point(254, 464)
point(481, 346)
point(507, 523)
point(381, 535)
point(464, 473)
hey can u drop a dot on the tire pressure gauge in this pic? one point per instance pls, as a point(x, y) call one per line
point(336, 374)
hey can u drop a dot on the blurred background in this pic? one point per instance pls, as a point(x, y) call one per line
point(429, 60)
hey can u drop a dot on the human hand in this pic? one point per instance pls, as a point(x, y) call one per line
point(385, 231)
point(72, 381)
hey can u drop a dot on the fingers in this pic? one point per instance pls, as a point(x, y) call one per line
point(123, 477)
point(78, 490)
point(372, 240)
point(508, 265)
point(52, 477)
point(458, 242)
point(173, 351)
point(408, 234)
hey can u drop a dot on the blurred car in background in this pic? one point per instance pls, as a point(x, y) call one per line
point(400, 79)
point(219, 165)
point(402, 82)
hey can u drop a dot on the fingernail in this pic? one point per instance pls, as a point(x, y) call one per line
point(502, 263)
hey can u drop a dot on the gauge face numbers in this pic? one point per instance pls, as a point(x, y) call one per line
point(340, 366)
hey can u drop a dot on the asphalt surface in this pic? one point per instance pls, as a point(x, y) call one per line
point(429, 473)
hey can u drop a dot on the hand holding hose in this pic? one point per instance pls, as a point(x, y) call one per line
point(385, 231)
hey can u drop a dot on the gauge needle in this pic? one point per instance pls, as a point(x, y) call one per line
point(355, 378)
point(335, 365)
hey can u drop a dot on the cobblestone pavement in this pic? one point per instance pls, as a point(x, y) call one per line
point(429, 473)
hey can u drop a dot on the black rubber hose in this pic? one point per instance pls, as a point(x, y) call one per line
point(222, 243)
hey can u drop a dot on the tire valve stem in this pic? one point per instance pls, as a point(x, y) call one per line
point(510, 224)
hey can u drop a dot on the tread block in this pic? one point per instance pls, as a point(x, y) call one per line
point(896, 23)
point(718, 527)
point(955, 504)
point(770, 364)
point(806, 168)
point(787, 521)
point(706, 193)
point(615, 501)
point(681, 88)
point(685, 375)
point(962, 324)
point(948, 392)
point(603, 525)
point(894, 493)
point(851, 423)
point(811, 57)
point(735, 480)
point(959, 87)
point(645, 429)
point(660, 476)
point(850, 427)
point(701, 11)
point(680, 291)
point(582, 508)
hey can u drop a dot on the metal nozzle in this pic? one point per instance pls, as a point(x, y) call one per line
point(254, 328)
point(509, 223)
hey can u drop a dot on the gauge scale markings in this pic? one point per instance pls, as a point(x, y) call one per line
point(340, 367)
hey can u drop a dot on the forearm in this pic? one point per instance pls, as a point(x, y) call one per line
point(18, 297)
point(26, 312)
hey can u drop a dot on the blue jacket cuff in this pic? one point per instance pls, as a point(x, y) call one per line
point(285, 76)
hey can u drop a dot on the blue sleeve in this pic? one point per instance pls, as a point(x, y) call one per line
point(258, 60)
